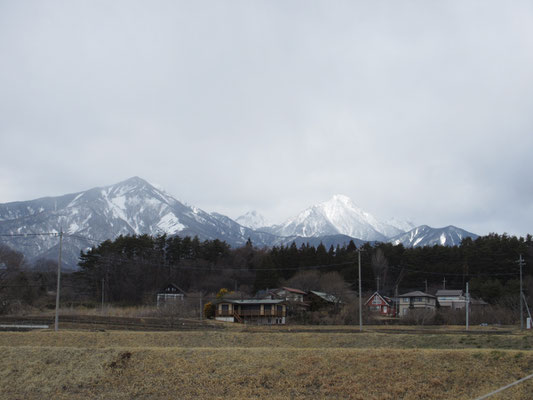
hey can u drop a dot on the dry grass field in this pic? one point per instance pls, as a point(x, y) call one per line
point(261, 362)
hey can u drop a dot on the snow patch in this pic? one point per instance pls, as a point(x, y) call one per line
point(170, 224)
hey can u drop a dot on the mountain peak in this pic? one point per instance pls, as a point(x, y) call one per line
point(135, 181)
point(252, 219)
point(338, 215)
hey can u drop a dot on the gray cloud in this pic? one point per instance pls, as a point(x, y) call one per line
point(418, 109)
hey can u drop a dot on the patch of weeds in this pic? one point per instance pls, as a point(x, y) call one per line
point(121, 362)
point(496, 355)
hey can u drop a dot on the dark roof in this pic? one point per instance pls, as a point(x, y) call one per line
point(298, 291)
point(250, 301)
point(325, 296)
point(173, 285)
point(416, 293)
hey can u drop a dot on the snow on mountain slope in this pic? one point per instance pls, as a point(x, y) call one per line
point(136, 207)
point(426, 236)
point(252, 219)
point(126, 208)
point(338, 215)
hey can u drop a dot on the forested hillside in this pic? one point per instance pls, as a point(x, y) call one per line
point(137, 265)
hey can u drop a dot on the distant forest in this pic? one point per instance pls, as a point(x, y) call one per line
point(131, 269)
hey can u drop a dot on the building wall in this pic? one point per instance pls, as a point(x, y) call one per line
point(410, 303)
point(455, 303)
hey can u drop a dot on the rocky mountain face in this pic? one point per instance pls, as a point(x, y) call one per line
point(337, 216)
point(126, 208)
point(427, 236)
point(252, 219)
point(136, 207)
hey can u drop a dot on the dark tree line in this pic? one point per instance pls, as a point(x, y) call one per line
point(136, 266)
point(131, 269)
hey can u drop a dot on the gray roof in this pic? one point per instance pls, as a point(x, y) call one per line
point(416, 293)
point(326, 296)
point(447, 292)
point(250, 301)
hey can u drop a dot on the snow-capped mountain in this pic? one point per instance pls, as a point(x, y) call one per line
point(338, 215)
point(136, 207)
point(252, 219)
point(427, 236)
point(129, 207)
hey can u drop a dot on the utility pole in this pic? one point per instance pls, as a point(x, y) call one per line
point(444, 284)
point(426, 282)
point(397, 301)
point(467, 304)
point(360, 296)
point(521, 263)
point(201, 306)
point(378, 283)
point(58, 280)
point(103, 280)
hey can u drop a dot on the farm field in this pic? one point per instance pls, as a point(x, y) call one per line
point(266, 362)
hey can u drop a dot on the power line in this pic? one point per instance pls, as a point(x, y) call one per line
point(29, 234)
point(454, 274)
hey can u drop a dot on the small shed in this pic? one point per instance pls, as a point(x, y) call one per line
point(170, 294)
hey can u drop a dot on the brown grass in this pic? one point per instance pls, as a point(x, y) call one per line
point(252, 363)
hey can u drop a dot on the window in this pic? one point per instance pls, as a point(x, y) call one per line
point(406, 299)
point(376, 300)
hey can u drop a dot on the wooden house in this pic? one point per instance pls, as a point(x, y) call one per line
point(416, 300)
point(170, 294)
point(256, 311)
point(379, 303)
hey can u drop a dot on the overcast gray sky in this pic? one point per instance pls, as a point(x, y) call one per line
point(414, 109)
